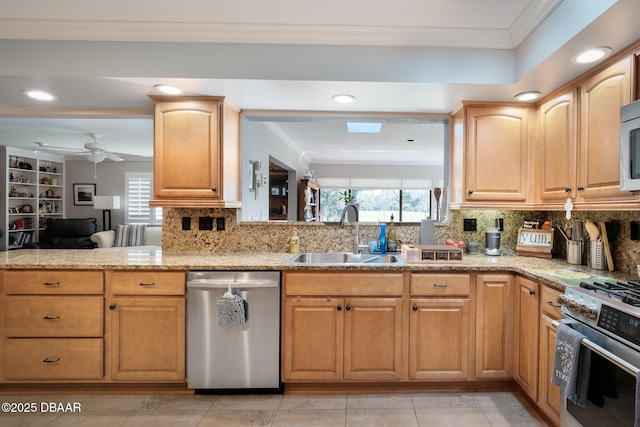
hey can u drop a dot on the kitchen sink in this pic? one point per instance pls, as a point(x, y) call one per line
point(345, 258)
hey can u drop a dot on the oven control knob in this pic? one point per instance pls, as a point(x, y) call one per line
point(562, 299)
point(572, 304)
point(589, 310)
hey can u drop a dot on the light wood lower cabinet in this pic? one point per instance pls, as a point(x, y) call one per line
point(440, 332)
point(525, 340)
point(494, 326)
point(342, 336)
point(52, 325)
point(549, 397)
point(146, 319)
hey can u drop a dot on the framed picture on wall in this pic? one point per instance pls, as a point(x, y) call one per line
point(83, 194)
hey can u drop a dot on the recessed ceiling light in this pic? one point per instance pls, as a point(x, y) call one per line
point(528, 96)
point(591, 55)
point(359, 127)
point(344, 98)
point(169, 90)
point(39, 95)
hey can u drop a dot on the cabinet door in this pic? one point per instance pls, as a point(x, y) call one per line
point(527, 316)
point(187, 149)
point(373, 339)
point(497, 153)
point(439, 339)
point(550, 396)
point(147, 338)
point(494, 326)
point(313, 339)
point(558, 148)
point(599, 166)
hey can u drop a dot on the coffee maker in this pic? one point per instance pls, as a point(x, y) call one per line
point(493, 241)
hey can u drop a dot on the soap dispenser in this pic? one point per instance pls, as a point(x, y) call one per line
point(294, 243)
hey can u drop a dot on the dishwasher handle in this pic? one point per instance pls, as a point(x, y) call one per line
point(215, 284)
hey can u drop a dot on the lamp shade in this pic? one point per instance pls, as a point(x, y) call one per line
point(106, 202)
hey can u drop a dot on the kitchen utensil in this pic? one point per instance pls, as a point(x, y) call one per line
point(607, 248)
point(563, 233)
point(575, 252)
point(593, 230)
point(437, 192)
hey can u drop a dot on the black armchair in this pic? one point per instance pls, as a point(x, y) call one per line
point(68, 233)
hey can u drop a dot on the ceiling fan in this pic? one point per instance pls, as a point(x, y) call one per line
point(93, 151)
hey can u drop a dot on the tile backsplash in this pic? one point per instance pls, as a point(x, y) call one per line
point(320, 237)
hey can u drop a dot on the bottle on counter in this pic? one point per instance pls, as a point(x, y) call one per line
point(294, 243)
point(392, 243)
point(383, 238)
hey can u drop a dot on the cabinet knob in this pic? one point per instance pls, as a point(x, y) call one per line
point(339, 308)
point(532, 292)
point(567, 189)
point(470, 191)
point(415, 308)
point(214, 189)
point(112, 307)
point(348, 308)
point(580, 188)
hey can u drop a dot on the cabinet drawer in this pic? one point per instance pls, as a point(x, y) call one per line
point(147, 282)
point(53, 316)
point(338, 284)
point(549, 302)
point(440, 284)
point(54, 282)
point(53, 359)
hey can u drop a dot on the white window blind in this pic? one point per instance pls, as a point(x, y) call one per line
point(139, 188)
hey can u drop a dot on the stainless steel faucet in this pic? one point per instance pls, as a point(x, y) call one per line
point(356, 240)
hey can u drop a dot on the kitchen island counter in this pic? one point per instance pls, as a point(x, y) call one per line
point(554, 272)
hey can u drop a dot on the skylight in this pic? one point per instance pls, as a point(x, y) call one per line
point(364, 127)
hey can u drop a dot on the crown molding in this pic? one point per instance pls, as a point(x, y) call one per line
point(530, 18)
point(254, 33)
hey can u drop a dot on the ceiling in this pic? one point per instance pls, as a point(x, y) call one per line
point(103, 59)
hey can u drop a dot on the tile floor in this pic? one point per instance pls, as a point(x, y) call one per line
point(394, 410)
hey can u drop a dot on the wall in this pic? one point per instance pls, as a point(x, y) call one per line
point(258, 144)
point(109, 182)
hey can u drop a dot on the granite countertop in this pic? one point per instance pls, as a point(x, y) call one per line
point(554, 272)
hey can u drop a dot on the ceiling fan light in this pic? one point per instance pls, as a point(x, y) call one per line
point(168, 89)
point(40, 95)
point(528, 96)
point(95, 157)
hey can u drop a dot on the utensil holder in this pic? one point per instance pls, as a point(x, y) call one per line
point(598, 260)
point(575, 252)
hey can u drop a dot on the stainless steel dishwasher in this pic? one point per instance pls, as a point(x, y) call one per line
point(234, 359)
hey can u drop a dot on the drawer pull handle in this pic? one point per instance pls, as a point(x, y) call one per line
point(440, 285)
point(51, 318)
point(47, 360)
point(553, 305)
point(51, 284)
point(146, 285)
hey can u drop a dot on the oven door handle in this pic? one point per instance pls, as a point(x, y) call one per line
point(622, 364)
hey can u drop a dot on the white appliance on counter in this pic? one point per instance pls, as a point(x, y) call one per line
point(607, 313)
point(241, 359)
point(630, 147)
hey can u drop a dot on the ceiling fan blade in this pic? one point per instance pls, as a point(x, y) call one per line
point(46, 147)
point(113, 157)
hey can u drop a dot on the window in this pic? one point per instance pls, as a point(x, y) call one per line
point(138, 191)
point(379, 204)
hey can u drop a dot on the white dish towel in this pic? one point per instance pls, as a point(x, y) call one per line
point(571, 365)
point(231, 310)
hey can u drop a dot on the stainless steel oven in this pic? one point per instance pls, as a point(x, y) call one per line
point(608, 315)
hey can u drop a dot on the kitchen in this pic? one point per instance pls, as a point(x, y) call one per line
point(270, 237)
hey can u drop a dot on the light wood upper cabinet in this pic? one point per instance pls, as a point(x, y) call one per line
point(558, 139)
point(494, 156)
point(527, 317)
point(602, 96)
point(196, 152)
